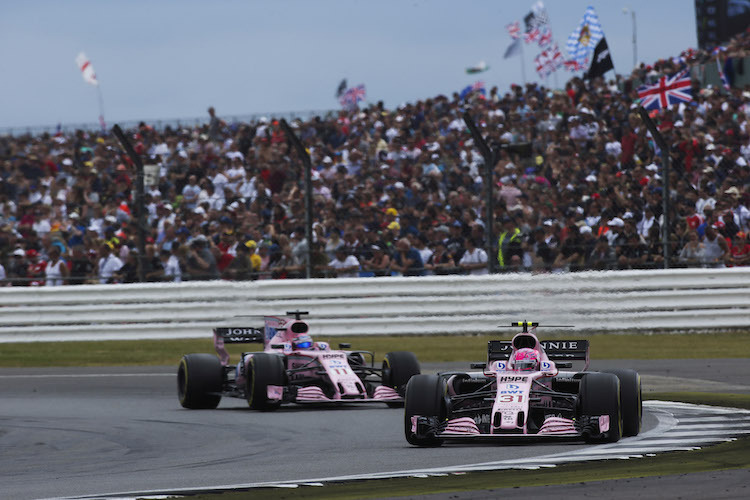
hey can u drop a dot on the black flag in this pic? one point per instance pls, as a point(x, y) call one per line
point(341, 88)
point(601, 62)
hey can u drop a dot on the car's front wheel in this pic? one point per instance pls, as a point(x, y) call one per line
point(263, 370)
point(599, 395)
point(425, 397)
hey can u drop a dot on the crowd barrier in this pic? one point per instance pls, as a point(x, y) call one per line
point(659, 301)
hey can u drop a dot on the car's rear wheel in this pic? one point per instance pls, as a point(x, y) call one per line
point(425, 397)
point(263, 370)
point(599, 395)
point(199, 380)
point(631, 401)
point(398, 368)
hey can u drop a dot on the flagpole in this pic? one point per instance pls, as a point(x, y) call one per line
point(523, 65)
point(101, 107)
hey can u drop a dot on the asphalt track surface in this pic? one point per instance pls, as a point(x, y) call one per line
point(90, 431)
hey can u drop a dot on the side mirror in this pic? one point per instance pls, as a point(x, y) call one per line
point(566, 364)
point(345, 345)
point(478, 366)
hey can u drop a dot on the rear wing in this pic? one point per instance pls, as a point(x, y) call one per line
point(239, 335)
point(556, 350)
point(235, 335)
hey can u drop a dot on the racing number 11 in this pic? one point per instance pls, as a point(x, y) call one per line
point(510, 398)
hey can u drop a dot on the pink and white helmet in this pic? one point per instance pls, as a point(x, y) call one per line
point(526, 360)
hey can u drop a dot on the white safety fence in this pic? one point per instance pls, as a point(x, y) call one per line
point(700, 300)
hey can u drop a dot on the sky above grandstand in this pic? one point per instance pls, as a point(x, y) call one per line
point(170, 59)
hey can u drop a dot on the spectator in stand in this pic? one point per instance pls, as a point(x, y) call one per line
point(190, 193)
point(128, 273)
point(344, 264)
point(241, 267)
point(633, 253)
point(201, 263)
point(380, 262)
point(56, 269)
point(740, 250)
point(36, 266)
point(474, 259)
point(602, 256)
point(441, 261)
point(406, 259)
point(508, 243)
point(18, 268)
point(171, 263)
point(81, 266)
point(572, 251)
point(108, 264)
point(691, 254)
point(541, 255)
point(715, 248)
point(420, 243)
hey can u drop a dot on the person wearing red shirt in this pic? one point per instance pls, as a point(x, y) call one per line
point(740, 251)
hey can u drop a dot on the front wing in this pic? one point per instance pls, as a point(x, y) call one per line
point(465, 428)
point(314, 394)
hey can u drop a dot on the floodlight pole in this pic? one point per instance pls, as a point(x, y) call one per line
point(139, 208)
point(307, 164)
point(491, 158)
point(665, 170)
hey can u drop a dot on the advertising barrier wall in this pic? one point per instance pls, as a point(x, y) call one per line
point(698, 300)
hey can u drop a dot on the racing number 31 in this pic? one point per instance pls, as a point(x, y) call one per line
point(510, 398)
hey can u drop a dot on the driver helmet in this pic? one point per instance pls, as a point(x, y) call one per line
point(302, 342)
point(526, 360)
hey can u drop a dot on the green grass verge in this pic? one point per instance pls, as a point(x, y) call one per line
point(733, 455)
point(437, 348)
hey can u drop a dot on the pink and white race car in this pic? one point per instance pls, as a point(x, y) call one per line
point(522, 394)
point(292, 368)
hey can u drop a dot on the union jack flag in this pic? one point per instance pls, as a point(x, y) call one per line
point(545, 38)
point(532, 36)
point(514, 30)
point(667, 91)
point(548, 61)
point(352, 96)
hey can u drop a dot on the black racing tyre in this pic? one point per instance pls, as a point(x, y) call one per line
point(631, 401)
point(425, 397)
point(199, 380)
point(398, 368)
point(599, 394)
point(263, 370)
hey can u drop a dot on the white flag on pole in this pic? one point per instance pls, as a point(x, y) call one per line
point(87, 70)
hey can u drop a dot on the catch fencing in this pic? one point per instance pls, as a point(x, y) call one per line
point(660, 301)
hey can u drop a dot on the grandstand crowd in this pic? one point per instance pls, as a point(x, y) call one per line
point(395, 192)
